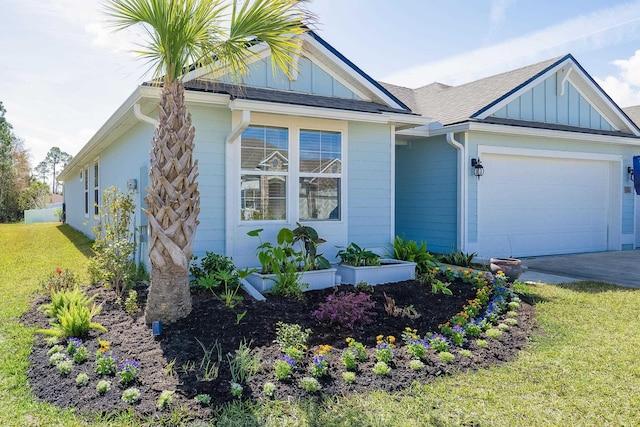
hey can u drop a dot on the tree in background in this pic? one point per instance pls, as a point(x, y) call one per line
point(14, 171)
point(42, 171)
point(182, 34)
point(55, 161)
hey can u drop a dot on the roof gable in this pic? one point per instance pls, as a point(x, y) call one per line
point(320, 70)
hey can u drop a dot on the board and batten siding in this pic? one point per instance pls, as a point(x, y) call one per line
point(370, 183)
point(426, 193)
point(558, 145)
point(542, 104)
point(311, 79)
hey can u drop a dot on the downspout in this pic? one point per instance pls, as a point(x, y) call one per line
point(138, 113)
point(245, 119)
point(462, 208)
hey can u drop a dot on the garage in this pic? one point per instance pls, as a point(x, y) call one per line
point(542, 204)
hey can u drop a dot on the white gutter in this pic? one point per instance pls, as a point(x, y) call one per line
point(462, 183)
point(138, 113)
point(245, 119)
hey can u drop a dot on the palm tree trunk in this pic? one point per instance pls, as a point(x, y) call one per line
point(173, 204)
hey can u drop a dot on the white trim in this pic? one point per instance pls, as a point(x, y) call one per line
point(535, 132)
point(582, 93)
point(392, 214)
point(561, 77)
point(532, 152)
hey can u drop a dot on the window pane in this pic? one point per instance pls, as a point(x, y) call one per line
point(263, 197)
point(265, 148)
point(320, 152)
point(319, 198)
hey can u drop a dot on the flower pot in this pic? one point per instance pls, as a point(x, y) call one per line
point(316, 279)
point(511, 267)
point(391, 270)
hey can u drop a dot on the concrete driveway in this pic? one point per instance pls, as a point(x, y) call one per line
point(618, 267)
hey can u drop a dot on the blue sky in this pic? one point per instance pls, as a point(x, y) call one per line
point(63, 73)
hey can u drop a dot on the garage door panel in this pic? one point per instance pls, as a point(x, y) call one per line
point(537, 205)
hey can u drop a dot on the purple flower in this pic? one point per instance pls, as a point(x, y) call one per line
point(320, 361)
point(289, 360)
point(129, 365)
point(77, 342)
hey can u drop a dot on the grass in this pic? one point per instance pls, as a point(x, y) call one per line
point(581, 368)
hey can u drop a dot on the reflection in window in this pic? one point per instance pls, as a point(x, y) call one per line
point(265, 167)
point(320, 175)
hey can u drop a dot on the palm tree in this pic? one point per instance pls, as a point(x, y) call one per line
point(182, 34)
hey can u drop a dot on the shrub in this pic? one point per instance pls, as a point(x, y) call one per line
point(446, 357)
point(457, 258)
point(268, 389)
point(408, 250)
point(82, 379)
point(131, 303)
point(345, 309)
point(60, 280)
point(103, 386)
point(131, 395)
point(72, 314)
point(381, 368)
point(114, 244)
point(165, 399)
point(310, 384)
point(416, 365)
point(203, 399)
point(65, 366)
point(291, 335)
point(349, 377)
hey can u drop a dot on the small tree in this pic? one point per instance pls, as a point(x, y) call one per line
point(56, 157)
point(114, 245)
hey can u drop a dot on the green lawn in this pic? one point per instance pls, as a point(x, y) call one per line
point(581, 368)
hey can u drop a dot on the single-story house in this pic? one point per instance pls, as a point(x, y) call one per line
point(318, 149)
point(362, 161)
point(534, 161)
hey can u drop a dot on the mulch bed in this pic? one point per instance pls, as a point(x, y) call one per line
point(210, 320)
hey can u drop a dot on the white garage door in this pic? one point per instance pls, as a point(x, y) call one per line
point(541, 206)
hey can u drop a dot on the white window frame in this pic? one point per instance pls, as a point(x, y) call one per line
point(85, 187)
point(96, 187)
point(294, 126)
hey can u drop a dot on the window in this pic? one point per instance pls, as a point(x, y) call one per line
point(270, 156)
point(96, 189)
point(320, 172)
point(86, 191)
point(265, 169)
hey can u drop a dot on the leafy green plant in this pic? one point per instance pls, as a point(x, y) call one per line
point(210, 366)
point(309, 239)
point(56, 358)
point(291, 335)
point(114, 244)
point(457, 258)
point(128, 371)
point(441, 287)
point(283, 367)
point(103, 386)
point(356, 256)
point(408, 250)
point(482, 343)
point(131, 395)
point(105, 363)
point(274, 258)
point(381, 368)
point(310, 384)
point(82, 379)
point(203, 399)
point(446, 357)
point(244, 363)
point(218, 274)
point(60, 280)
point(72, 314)
point(268, 389)
point(165, 399)
point(236, 389)
point(416, 365)
point(349, 377)
point(65, 367)
point(131, 303)
point(494, 333)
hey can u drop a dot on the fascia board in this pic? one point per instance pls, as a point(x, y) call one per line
point(329, 113)
point(540, 133)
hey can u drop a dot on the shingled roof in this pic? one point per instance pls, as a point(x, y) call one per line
point(634, 113)
point(292, 98)
point(455, 104)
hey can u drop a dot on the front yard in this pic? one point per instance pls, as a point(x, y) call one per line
point(579, 369)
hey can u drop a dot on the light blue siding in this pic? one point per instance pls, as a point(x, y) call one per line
point(369, 186)
point(542, 104)
point(426, 193)
point(311, 79)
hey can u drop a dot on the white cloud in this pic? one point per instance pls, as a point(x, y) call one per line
point(624, 88)
point(497, 16)
point(606, 27)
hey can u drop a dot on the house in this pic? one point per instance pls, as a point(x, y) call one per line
point(530, 162)
point(534, 161)
point(317, 149)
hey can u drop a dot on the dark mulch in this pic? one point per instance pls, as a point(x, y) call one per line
point(210, 320)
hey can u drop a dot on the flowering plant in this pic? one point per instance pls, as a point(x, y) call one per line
point(439, 342)
point(128, 371)
point(345, 309)
point(105, 363)
point(385, 348)
point(416, 346)
point(458, 336)
point(319, 366)
point(284, 367)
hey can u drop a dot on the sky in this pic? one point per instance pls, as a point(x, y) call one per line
point(63, 72)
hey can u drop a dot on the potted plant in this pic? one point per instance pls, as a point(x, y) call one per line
point(282, 263)
point(361, 265)
point(511, 267)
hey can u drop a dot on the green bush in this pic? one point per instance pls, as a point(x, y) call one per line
point(72, 314)
point(408, 250)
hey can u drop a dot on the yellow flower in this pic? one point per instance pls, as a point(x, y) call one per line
point(391, 338)
point(104, 346)
point(379, 337)
point(323, 349)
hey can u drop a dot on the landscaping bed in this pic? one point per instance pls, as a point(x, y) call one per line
point(173, 361)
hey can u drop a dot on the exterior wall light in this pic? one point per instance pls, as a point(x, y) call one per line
point(630, 173)
point(478, 170)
